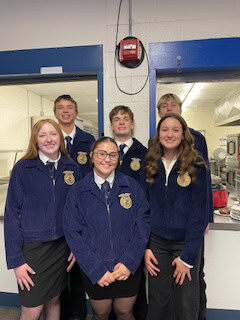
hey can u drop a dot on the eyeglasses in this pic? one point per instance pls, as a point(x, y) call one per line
point(101, 154)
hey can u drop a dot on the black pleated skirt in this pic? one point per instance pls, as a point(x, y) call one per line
point(49, 260)
point(117, 289)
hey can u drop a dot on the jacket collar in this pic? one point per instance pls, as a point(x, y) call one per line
point(80, 136)
point(119, 182)
point(137, 145)
point(37, 163)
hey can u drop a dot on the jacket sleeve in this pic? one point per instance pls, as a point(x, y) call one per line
point(134, 252)
point(201, 146)
point(198, 219)
point(74, 230)
point(12, 225)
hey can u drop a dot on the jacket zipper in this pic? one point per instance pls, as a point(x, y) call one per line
point(54, 200)
point(110, 226)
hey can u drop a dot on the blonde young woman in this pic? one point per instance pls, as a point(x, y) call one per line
point(177, 188)
point(35, 245)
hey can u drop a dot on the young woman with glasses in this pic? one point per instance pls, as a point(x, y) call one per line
point(106, 224)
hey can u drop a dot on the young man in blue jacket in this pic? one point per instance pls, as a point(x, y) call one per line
point(132, 154)
point(78, 144)
point(170, 103)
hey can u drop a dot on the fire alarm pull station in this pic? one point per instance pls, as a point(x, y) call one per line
point(129, 51)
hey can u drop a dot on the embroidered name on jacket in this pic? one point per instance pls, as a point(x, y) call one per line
point(69, 177)
point(125, 200)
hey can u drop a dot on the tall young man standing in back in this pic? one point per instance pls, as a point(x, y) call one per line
point(78, 144)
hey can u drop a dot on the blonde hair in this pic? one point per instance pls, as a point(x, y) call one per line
point(32, 150)
point(169, 96)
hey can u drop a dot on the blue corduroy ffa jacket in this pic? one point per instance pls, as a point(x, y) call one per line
point(34, 205)
point(133, 160)
point(100, 239)
point(81, 149)
point(180, 213)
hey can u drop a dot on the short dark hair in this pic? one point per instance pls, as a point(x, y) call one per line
point(121, 109)
point(101, 140)
point(65, 97)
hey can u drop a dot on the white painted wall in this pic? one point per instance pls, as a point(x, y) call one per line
point(32, 24)
point(17, 106)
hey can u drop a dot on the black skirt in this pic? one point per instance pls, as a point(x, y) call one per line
point(117, 289)
point(49, 260)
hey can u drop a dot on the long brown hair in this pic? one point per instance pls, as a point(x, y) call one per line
point(32, 150)
point(188, 157)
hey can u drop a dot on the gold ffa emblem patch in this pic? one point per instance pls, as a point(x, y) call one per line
point(69, 177)
point(184, 181)
point(135, 164)
point(82, 157)
point(125, 200)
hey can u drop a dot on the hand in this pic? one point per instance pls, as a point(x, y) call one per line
point(22, 276)
point(72, 260)
point(181, 271)
point(106, 279)
point(121, 272)
point(207, 229)
point(149, 260)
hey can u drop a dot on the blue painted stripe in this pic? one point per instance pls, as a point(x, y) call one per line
point(72, 59)
point(220, 314)
point(196, 55)
point(11, 300)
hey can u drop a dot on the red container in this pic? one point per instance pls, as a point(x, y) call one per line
point(220, 198)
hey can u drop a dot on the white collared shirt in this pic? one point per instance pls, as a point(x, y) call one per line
point(72, 135)
point(99, 180)
point(168, 170)
point(128, 144)
point(45, 159)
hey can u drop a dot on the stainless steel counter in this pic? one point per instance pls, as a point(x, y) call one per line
point(225, 223)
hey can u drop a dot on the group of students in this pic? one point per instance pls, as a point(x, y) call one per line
point(86, 216)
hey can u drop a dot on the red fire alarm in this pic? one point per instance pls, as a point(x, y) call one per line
point(129, 50)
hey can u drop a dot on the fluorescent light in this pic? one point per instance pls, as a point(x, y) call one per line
point(192, 94)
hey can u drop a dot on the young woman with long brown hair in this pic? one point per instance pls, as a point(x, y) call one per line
point(177, 188)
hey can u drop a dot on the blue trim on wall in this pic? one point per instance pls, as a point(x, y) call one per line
point(220, 314)
point(100, 105)
point(79, 61)
point(196, 56)
point(72, 59)
point(11, 300)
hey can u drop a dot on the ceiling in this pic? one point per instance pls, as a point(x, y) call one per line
point(208, 97)
point(83, 92)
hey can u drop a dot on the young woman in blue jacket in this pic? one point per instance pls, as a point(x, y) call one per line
point(106, 225)
point(177, 188)
point(35, 245)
